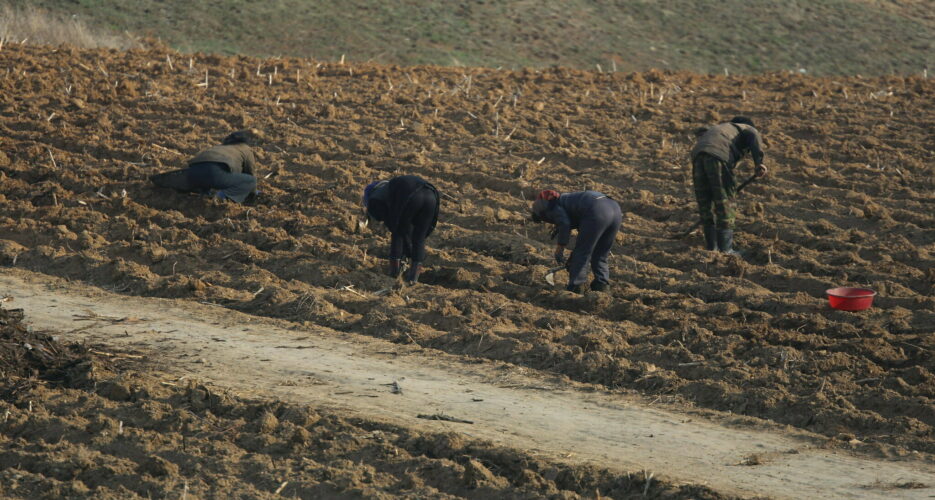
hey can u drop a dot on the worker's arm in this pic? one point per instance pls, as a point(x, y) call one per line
point(249, 163)
point(754, 144)
point(559, 216)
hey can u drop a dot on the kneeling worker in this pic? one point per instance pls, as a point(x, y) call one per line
point(597, 219)
point(408, 206)
point(229, 169)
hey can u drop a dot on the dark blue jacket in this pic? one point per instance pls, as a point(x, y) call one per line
point(388, 199)
point(567, 211)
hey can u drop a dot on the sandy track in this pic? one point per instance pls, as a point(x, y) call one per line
point(508, 405)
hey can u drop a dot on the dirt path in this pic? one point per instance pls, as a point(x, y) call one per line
point(506, 404)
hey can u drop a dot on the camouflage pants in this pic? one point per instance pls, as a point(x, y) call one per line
point(714, 188)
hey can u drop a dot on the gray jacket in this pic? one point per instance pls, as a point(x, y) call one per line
point(728, 142)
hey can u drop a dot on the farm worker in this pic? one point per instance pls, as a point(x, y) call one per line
point(408, 206)
point(597, 219)
point(714, 156)
point(228, 168)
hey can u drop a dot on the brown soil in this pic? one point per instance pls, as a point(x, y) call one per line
point(555, 419)
point(110, 431)
point(850, 202)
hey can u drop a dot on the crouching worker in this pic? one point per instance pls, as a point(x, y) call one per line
point(597, 219)
point(228, 169)
point(408, 206)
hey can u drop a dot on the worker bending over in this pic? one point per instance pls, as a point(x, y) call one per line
point(408, 206)
point(597, 219)
point(714, 156)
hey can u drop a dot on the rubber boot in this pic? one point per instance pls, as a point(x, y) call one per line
point(394, 268)
point(573, 288)
point(599, 286)
point(710, 238)
point(725, 241)
point(412, 277)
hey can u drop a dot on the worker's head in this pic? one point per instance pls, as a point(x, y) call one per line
point(368, 191)
point(245, 136)
point(542, 203)
point(548, 195)
point(742, 119)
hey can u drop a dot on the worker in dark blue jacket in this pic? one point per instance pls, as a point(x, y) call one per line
point(408, 206)
point(597, 219)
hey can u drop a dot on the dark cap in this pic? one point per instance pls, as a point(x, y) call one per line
point(245, 136)
point(742, 119)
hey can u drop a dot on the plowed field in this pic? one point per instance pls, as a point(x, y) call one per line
point(849, 202)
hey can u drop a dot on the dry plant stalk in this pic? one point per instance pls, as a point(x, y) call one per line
point(205, 83)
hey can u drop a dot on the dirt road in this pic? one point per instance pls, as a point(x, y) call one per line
point(507, 405)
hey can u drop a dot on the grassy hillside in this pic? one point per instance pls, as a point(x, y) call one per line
point(821, 36)
point(20, 23)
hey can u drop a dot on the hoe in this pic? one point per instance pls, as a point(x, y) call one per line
point(550, 276)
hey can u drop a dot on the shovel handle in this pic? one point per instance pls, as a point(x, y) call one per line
point(745, 183)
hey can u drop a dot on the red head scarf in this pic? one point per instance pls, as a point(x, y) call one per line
point(548, 195)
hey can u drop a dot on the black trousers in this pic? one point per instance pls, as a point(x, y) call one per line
point(209, 175)
point(596, 234)
point(415, 224)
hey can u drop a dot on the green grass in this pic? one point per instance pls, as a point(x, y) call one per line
point(822, 36)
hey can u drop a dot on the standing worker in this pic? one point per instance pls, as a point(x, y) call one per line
point(228, 169)
point(597, 219)
point(714, 156)
point(408, 206)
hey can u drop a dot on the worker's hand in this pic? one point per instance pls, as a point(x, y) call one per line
point(760, 171)
point(560, 255)
point(553, 233)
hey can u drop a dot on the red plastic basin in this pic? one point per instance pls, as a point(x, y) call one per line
point(850, 299)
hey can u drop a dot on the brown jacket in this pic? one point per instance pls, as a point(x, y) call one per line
point(238, 158)
point(728, 142)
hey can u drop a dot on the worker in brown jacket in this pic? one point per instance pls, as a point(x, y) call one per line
point(714, 156)
point(228, 170)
